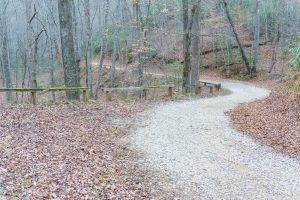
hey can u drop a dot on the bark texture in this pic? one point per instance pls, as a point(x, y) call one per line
point(256, 39)
point(195, 47)
point(89, 53)
point(103, 48)
point(5, 54)
point(71, 69)
point(187, 28)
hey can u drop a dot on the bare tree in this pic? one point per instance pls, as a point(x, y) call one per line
point(103, 47)
point(71, 69)
point(116, 44)
point(114, 60)
point(29, 36)
point(244, 57)
point(187, 29)
point(52, 67)
point(89, 53)
point(256, 38)
point(275, 42)
point(5, 50)
point(137, 40)
point(195, 47)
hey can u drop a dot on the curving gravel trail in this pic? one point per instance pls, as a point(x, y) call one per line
point(194, 143)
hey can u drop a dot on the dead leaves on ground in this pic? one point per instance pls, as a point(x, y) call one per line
point(275, 121)
point(67, 151)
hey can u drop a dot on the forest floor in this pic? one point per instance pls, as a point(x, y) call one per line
point(68, 151)
point(275, 121)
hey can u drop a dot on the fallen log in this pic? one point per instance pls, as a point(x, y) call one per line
point(232, 47)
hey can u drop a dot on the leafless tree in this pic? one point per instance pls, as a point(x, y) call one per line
point(71, 69)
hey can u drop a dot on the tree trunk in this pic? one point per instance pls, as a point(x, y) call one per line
point(256, 39)
point(103, 49)
point(186, 48)
point(89, 54)
point(126, 63)
point(187, 27)
point(137, 41)
point(274, 50)
point(116, 44)
point(75, 33)
point(52, 68)
point(195, 48)
point(5, 54)
point(29, 36)
point(33, 83)
point(113, 63)
point(71, 69)
point(244, 57)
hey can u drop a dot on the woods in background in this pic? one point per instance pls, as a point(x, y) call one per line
point(120, 43)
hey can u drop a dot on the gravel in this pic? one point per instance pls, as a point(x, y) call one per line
point(194, 144)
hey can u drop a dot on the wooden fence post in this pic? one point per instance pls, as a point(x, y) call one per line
point(198, 90)
point(145, 93)
point(170, 91)
point(33, 92)
point(211, 89)
point(85, 96)
point(33, 98)
point(108, 95)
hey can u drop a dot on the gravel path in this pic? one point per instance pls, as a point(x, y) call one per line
point(194, 143)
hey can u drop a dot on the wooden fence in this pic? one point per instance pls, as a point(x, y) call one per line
point(33, 91)
point(108, 91)
point(144, 90)
point(211, 86)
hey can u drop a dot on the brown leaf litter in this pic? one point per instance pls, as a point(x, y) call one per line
point(67, 151)
point(275, 121)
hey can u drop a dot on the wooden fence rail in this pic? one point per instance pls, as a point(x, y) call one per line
point(211, 86)
point(145, 90)
point(33, 91)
